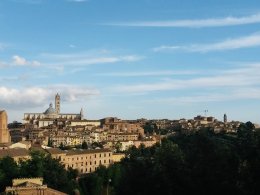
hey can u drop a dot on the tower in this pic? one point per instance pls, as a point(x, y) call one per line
point(57, 103)
point(4, 133)
point(81, 114)
point(225, 118)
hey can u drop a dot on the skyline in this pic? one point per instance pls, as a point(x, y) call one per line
point(132, 59)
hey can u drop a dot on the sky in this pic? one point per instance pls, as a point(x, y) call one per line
point(131, 59)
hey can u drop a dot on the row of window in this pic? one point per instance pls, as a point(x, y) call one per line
point(95, 163)
point(95, 156)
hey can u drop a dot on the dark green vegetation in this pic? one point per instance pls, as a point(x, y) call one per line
point(40, 165)
point(199, 163)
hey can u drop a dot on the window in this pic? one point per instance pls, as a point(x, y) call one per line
point(86, 163)
point(104, 161)
point(72, 159)
point(95, 155)
point(100, 155)
point(100, 162)
point(105, 155)
point(95, 162)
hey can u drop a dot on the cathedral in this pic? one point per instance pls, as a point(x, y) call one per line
point(50, 115)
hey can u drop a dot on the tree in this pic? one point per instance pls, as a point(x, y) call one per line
point(84, 145)
point(8, 170)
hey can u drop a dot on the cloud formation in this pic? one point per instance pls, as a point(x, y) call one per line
point(20, 61)
point(87, 58)
point(236, 94)
point(31, 97)
point(234, 78)
point(229, 44)
point(142, 74)
point(197, 23)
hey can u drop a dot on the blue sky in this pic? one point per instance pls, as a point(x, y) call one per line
point(131, 59)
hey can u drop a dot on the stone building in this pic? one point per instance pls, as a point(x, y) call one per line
point(4, 132)
point(17, 154)
point(32, 186)
point(115, 125)
point(50, 115)
point(85, 161)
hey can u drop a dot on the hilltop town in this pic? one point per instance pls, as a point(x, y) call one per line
point(69, 134)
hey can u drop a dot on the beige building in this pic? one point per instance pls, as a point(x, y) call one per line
point(122, 136)
point(85, 161)
point(117, 157)
point(22, 144)
point(92, 123)
point(31, 186)
point(4, 132)
point(146, 143)
point(16, 153)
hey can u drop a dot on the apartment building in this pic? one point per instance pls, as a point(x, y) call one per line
point(85, 161)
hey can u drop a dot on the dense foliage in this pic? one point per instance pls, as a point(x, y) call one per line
point(40, 165)
point(200, 163)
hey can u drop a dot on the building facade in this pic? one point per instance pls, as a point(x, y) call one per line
point(32, 186)
point(85, 161)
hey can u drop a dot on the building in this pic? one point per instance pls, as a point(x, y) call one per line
point(50, 115)
point(225, 118)
point(85, 161)
point(16, 153)
point(22, 144)
point(4, 132)
point(32, 186)
point(115, 125)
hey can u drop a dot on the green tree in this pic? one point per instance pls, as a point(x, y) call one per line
point(84, 145)
point(8, 170)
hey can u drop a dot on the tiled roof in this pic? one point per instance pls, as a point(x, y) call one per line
point(14, 152)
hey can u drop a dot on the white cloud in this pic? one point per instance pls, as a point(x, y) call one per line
point(240, 77)
point(231, 95)
point(31, 97)
point(142, 74)
point(197, 23)
point(17, 60)
point(229, 44)
point(20, 61)
point(88, 58)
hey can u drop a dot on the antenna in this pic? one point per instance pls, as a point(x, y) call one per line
point(205, 111)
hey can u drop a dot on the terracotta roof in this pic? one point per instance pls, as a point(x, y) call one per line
point(55, 151)
point(14, 152)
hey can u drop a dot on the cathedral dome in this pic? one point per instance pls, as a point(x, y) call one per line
point(50, 110)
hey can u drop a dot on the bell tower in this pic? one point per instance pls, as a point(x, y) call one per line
point(57, 103)
point(4, 132)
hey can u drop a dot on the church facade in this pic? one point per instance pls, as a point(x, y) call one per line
point(50, 115)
